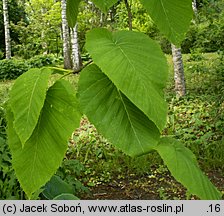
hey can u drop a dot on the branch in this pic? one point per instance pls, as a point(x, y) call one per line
point(78, 70)
point(128, 7)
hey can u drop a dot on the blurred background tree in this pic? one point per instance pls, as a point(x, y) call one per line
point(16, 12)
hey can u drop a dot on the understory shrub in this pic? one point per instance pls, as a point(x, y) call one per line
point(1, 55)
point(13, 68)
point(9, 185)
point(220, 66)
point(43, 60)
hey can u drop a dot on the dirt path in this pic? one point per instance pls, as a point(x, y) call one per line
point(152, 187)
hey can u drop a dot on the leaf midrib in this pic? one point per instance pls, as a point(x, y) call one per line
point(31, 97)
point(167, 18)
point(126, 110)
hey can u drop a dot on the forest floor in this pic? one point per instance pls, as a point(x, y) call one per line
point(157, 187)
point(110, 175)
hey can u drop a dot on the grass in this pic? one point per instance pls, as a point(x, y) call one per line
point(197, 120)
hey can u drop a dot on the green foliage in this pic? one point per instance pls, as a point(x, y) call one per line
point(172, 17)
point(135, 136)
point(66, 196)
point(97, 158)
point(72, 12)
point(127, 95)
point(39, 61)
point(103, 163)
point(40, 32)
point(199, 124)
point(196, 55)
point(16, 13)
point(1, 55)
point(136, 59)
point(100, 162)
point(2, 122)
point(55, 187)
point(206, 33)
point(71, 170)
point(211, 26)
point(59, 113)
point(220, 65)
point(11, 69)
point(27, 100)
point(197, 119)
point(104, 5)
point(183, 166)
point(9, 185)
point(190, 39)
point(141, 21)
point(197, 63)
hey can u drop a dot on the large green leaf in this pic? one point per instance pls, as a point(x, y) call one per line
point(172, 17)
point(27, 100)
point(136, 65)
point(66, 196)
point(43, 152)
point(105, 4)
point(72, 10)
point(114, 115)
point(55, 187)
point(183, 166)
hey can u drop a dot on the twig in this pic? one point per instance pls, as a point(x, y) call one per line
point(85, 65)
point(78, 70)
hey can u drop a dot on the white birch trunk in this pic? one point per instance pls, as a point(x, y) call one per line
point(66, 37)
point(194, 6)
point(8, 54)
point(180, 85)
point(179, 79)
point(101, 19)
point(76, 58)
point(43, 44)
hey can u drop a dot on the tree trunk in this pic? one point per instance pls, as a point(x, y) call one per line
point(76, 58)
point(8, 54)
point(43, 43)
point(179, 79)
point(194, 6)
point(101, 19)
point(128, 7)
point(66, 37)
point(180, 85)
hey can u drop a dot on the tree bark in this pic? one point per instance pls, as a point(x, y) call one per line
point(194, 6)
point(76, 57)
point(128, 7)
point(66, 37)
point(101, 19)
point(8, 54)
point(43, 43)
point(179, 79)
point(180, 85)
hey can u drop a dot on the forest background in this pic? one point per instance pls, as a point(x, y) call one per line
point(196, 117)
